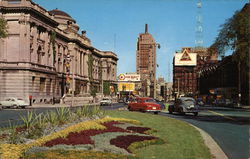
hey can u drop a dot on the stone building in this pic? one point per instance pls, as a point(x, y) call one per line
point(186, 65)
point(45, 57)
point(146, 62)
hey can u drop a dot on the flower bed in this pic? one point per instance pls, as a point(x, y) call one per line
point(138, 129)
point(126, 141)
point(105, 132)
point(83, 137)
point(76, 154)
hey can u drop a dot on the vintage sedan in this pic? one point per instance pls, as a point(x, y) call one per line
point(144, 104)
point(13, 103)
point(106, 101)
point(184, 105)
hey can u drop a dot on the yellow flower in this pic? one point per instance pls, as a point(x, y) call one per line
point(12, 151)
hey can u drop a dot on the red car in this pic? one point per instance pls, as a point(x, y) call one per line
point(144, 104)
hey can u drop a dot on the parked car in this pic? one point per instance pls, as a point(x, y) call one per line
point(184, 105)
point(144, 104)
point(223, 102)
point(13, 103)
point(106, 101)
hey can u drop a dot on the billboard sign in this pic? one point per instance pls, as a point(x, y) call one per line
point(185, 58)
point(129, 87)
point(129, 77)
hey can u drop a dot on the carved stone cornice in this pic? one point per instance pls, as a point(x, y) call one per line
point(29, 10)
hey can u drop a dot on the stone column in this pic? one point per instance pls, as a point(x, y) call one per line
point(24, 27)
point(34, 46)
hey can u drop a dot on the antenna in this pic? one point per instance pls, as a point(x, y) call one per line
point(146, 28)
point(199, 26)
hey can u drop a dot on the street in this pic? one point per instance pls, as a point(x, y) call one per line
point(228, 127)
point(13, 115)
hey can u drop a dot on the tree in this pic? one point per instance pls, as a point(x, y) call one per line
point(3, 28)
point(234, 34)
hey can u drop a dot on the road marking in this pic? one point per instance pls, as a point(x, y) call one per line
point(213, 112)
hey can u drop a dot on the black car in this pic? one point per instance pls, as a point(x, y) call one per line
point(184, 105)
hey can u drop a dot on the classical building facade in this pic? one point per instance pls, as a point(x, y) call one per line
point(45, 58)
point(186, 66)
point(146, 62)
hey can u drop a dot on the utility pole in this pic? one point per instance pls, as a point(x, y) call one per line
point(178, 87)
point(239, 85)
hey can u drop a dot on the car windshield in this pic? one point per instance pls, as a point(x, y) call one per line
point(105, 99)
point(189, 101)
point(150, 101)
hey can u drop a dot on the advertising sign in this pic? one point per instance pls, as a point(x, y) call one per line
point(126, 87)
point(185, 59)
point(129, 77)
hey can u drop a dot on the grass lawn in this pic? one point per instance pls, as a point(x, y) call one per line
point(182, 140)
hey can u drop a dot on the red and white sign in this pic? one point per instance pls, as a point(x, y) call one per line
point(129, 77)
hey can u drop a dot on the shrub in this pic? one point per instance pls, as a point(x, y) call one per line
point(28, 120)
point(62, 114)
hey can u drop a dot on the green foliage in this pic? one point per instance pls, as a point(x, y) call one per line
point(90, 67)
point(13, 137)
point(106, 86)
point(40, 120)
point(28, 120)
point(93, 91)
point(179, 136)
point(3, 28)
point(62, 114)
point(81, 154)
point(137, 145)
point(234, 35)
point(51, 117)
point(53, 42)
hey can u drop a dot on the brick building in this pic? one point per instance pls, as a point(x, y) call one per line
point(186, 65)
point(146, 62)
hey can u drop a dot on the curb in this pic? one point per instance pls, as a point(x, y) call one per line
point(214, 148)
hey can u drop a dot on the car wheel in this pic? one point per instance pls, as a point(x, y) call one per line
point(170, 110)
point(129, 108)
point(155, 112)
point(181, 111)
point(196, 113)
point(23, 107)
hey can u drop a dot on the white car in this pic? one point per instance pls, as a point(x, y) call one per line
point(13, 103)
point(106, 101)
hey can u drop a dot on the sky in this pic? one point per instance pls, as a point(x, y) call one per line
point(114, 25)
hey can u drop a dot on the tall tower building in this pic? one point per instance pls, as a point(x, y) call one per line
point(146, 62)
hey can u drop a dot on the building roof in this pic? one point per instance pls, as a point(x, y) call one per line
point(59, 12)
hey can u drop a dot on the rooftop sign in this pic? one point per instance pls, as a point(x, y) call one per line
point(129, 77)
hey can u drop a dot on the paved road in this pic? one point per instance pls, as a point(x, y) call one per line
point(12, 116)
point(229, 128)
